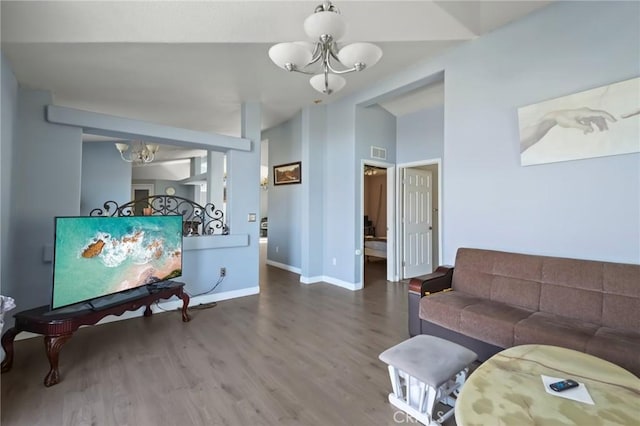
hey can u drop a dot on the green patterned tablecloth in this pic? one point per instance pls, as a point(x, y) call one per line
point(507, 390)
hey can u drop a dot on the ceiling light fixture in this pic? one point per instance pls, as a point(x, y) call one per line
point(325, 27)
point(140, 153)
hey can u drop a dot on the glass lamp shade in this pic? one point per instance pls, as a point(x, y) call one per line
point(290, 53)
point(336, 83)
point(366, 53)
point(325, 23)
point(122, 147)
point(153, 147)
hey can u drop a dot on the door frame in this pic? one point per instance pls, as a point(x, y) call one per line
point(148, 186)
point(391, 217)
point(400, 212)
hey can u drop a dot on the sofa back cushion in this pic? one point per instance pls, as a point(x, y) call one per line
point(601, 293)
point(510, 278)
point(621, 299)
point(572, 288)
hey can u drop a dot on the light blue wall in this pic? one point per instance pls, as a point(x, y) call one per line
point(46, 182)
point(584, 209)
point(420, 135)
point(562, 209)
point(489, 200)
point(339, 194)
point(9, 113)
point(285, 201)
point(105, 177)
point(375, 126)
point(314, 139)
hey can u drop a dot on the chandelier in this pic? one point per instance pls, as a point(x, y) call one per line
point(140, 153)
point(323, 58)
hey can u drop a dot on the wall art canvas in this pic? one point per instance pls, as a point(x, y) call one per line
point(594, 123)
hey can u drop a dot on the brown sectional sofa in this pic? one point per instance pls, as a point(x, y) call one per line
point(494, 300)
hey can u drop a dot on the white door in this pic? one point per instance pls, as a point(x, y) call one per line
point(417, 223)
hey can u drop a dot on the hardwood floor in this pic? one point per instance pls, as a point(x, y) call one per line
point(294, 355)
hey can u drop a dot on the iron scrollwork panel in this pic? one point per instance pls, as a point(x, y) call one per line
point(197, 219)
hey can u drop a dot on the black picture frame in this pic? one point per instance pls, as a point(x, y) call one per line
point(287, 174)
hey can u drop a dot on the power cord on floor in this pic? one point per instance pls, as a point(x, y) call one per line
point(202, 306)
point(220, 279)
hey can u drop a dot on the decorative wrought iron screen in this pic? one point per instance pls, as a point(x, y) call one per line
point(197, 219)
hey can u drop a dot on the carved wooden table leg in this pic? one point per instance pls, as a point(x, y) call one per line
point(7, 345)
point(185, 304)
point(148, 311)
point(53, 344)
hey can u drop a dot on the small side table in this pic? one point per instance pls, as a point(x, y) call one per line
point(58, 328)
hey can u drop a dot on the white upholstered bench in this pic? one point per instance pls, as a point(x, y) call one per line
point(425, 370)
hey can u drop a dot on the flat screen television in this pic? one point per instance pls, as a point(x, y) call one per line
point(98, 256)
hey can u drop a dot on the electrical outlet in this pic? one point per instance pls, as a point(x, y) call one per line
point(223, 272)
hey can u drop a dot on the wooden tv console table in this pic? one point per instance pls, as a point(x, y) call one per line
point(58, 328)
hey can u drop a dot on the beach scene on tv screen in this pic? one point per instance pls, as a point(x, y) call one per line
point(99, 256)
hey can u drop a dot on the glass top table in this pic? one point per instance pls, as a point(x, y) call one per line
point(507, 389)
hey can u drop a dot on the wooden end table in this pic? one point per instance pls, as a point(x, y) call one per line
point(58, 328)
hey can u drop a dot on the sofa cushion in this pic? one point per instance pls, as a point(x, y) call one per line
point(550, 329)
point(621, 300)
point(576, 273)
point(444, 309)
point(618, 346)
point(516, 292)
point(511, 278)
point(492, 322)
point(621, 312)
point(472, 282)
point(584, 305)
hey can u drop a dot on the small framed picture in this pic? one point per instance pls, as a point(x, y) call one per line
point(286, 174)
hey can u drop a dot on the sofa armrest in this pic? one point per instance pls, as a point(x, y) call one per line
point(437, 281)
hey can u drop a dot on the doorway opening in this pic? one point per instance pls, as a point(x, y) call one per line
point(420, 217)
point(378, 223)
point(139, 191)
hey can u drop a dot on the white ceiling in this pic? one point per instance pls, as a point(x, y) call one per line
point(191, 64)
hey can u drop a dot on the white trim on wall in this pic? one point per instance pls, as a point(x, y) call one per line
point(332, 281)
point(283, 266)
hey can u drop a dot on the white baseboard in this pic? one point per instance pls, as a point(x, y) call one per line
point(311, 280)
point(213, 297)
point(333, 281)
point(283, 266)
point(168, 305)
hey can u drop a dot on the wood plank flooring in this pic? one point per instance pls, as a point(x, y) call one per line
point(294, 355)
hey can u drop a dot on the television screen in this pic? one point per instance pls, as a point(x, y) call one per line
point(97, 256)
